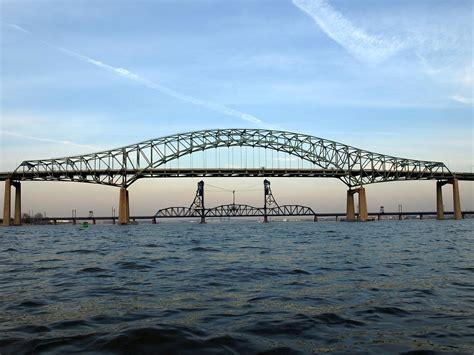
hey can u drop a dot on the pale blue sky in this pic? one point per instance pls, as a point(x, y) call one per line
point(389, 76)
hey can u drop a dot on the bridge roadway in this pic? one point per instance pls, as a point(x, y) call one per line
point(77, 175)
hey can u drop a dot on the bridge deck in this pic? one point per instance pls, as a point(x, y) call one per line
point(202, 173)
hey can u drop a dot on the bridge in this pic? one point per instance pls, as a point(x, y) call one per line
point(270, 208)
point(233, 153)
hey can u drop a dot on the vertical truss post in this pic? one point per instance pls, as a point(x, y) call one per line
point(7, 202)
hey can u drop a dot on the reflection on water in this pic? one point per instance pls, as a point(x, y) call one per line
point(238, 287)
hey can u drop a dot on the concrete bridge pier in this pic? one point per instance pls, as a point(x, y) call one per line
point(439, 200)
point(350, 211)
point(128, 207)
point(7, 203)
point(456, 199)
point(363, 213)
point(17, 215)
point(124, 207)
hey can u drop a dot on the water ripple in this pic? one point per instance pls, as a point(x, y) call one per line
point(281, 288)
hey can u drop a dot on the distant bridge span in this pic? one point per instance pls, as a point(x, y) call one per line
point(123, 166)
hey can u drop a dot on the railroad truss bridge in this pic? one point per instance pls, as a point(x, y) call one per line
point(270, 208)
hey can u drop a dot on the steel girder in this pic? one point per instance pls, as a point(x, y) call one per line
point(123, 166)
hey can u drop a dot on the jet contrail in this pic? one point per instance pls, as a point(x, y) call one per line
point(148, 83)
point(363, 46)
point(49, 140)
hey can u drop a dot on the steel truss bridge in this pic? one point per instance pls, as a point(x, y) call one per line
point(285, 154)
point(236, 210)
point(269, 209)
point(123, 166)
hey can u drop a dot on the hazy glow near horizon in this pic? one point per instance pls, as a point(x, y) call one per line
point(390, 77)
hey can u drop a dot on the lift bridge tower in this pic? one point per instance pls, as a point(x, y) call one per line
point(198, 203)
point(197, 207)
point(269, 200)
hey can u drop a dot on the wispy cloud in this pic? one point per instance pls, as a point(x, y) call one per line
point(47, 140)
point(18, 28)
point(150, 84)
point(363, 46)
point(462, 99)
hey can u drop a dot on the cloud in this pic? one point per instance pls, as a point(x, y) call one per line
point(48, 140)
point(150, 84)
point(361, 45)
point(462, 99)
point(18, 28)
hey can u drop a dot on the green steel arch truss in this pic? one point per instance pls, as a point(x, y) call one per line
point(123, 166)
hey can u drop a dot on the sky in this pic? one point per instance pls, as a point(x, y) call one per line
point(394, 77)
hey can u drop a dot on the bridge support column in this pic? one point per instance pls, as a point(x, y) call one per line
point(7, 202)
point(128, 207)
point(439, 200)
point(456, 200)
point(17, 215)
point(124, 210)
point(363, 214)
point(350, 211)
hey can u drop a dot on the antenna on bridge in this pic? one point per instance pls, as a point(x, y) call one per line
point(269, 200)
point(198, 203)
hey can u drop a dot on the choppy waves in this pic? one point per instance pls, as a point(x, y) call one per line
point(243, 287)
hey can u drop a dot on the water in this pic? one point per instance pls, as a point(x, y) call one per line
point(238, 287)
